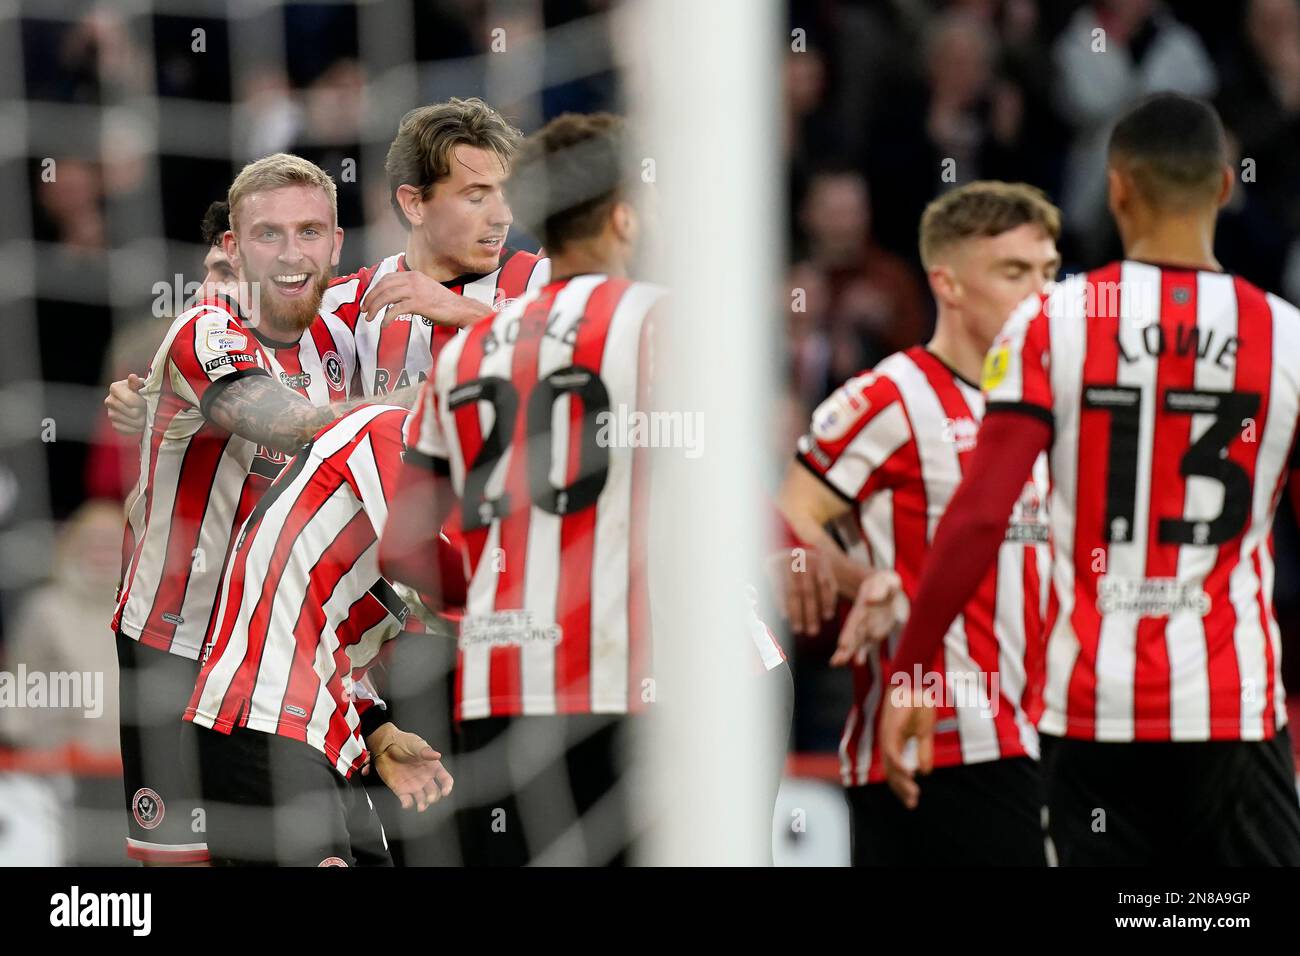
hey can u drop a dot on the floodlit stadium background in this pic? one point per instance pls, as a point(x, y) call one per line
point(795, 148)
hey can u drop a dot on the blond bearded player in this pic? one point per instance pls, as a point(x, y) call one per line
point(224, 402)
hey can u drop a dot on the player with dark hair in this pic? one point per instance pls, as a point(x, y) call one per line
point(125, 408)
point(238, 383)
point(220, 271)
point(1167, 393)
point(555, 640)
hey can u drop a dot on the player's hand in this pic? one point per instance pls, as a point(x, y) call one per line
point(876, 610)
point(412, 769)
point(415, 293)
point(804, 588)
point(126, 408)
point(905, 716)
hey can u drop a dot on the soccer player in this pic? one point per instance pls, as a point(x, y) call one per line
point(302, 612)
point(554, 643)
point(446, 169)
point(1168, 394)
point(884, 454)
point(219, 271)
point(218, 428)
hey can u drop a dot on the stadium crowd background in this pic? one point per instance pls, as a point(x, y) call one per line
point(146, 122)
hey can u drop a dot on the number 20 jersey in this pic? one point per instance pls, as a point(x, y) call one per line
point(552, 512)
point(1173, 395)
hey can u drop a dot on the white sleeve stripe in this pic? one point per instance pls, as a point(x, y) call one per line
point(870, 449)
point(365, 470)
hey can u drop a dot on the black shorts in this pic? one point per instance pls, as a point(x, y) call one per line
point(545, 790)
point(165, 823)
point(982, 814)
point(273, 801)
point(1212, 803)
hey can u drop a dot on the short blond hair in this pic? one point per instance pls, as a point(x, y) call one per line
point(275, 172)
point(984, 208)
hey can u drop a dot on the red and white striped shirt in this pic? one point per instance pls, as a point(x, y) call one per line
point(303, 609)
point(404, 352)
point(1174, 395)
point(895, 442)
point(198, 481)
point(553, 520)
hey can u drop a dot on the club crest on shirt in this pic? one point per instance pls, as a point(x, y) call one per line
point(1028, 522)
point(148, 808)
point(333, 369)
point(227, 340)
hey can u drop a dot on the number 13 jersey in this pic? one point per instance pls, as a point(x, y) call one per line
point(524, 413)
point(1173, 394)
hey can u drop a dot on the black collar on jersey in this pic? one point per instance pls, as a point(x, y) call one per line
point(468, 277)
point(1175, 268)
point(271, 343)
point(955, 374)
point(244, 321)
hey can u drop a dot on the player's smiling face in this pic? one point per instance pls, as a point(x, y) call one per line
point(994, 274)
point(287, 243)
point(463, 221)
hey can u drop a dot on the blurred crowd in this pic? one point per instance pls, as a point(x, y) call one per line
point(890, 102)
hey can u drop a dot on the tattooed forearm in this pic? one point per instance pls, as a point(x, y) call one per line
point(262, 410)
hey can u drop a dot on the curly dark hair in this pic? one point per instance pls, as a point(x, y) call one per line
point(215, 222)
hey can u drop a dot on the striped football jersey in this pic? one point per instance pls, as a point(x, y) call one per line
point(1173, 394)
point(403, 353)
point(302, 609)
point(198, 481)
point(553, 519)
point(894, 443)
